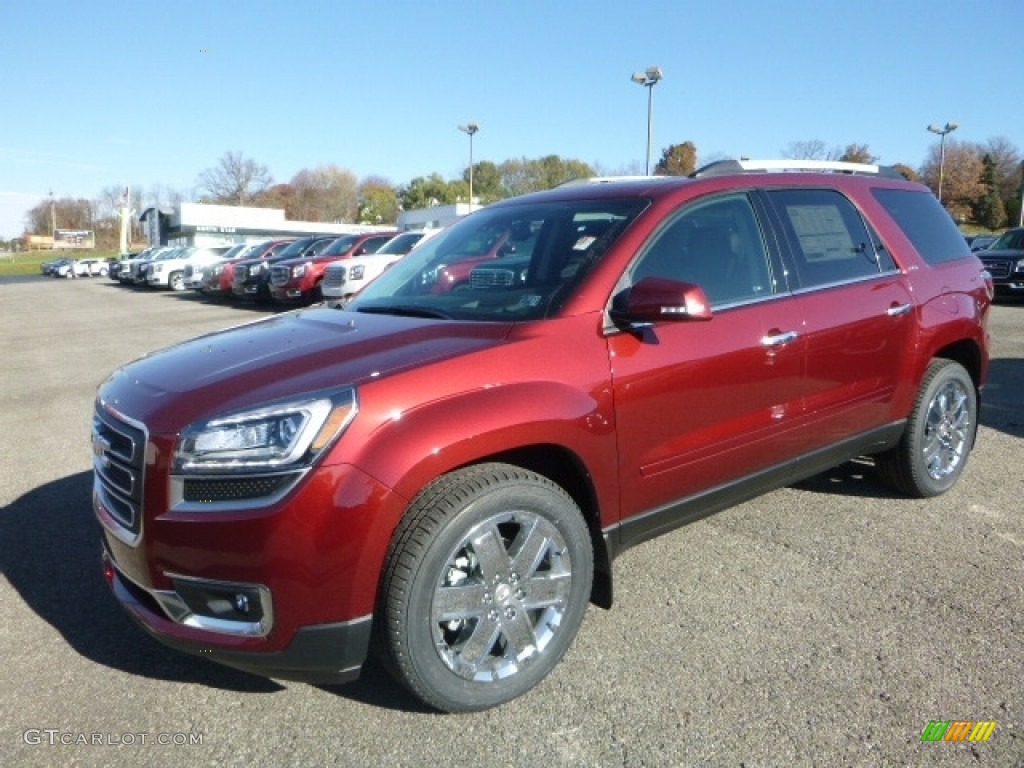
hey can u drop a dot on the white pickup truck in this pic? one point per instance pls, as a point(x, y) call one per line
point(345, 278)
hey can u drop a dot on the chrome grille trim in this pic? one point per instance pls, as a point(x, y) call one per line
point(118, 461)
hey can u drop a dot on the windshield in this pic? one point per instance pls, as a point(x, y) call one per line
point(401, 243)
point(342, 245)
point(511, 262)
point(1011, 240)
point(295, 248)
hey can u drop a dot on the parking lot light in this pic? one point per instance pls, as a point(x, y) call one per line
point(648, 78)
point(947, 128)
point(470, 128)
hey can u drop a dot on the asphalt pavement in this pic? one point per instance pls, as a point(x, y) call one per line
point(826, 624)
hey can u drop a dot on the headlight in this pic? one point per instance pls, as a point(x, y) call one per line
point(431, 276)
point(284, 435)
point(1020, 266)
point(299, 271)
point(256, 268)
point(357, 273)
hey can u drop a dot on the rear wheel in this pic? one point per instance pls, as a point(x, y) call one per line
point(486, 584)
point(939, 433)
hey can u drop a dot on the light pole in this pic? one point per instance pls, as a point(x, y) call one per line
point(947, 128)
point(470, 128)
point(648, 78)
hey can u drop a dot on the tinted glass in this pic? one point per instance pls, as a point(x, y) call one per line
point(716, 244)
point(925, 223)
point(828, 238)
point(503, 263)
point(1011, 240)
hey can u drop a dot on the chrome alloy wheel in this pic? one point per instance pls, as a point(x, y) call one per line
point(947, 430)
point(501, 596)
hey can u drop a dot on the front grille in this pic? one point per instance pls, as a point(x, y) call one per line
point(492, 278)
point(188, 270)
point(241, 272)
point(119, 455)
point(334, 277)
point(280, 275)
point(997, 268)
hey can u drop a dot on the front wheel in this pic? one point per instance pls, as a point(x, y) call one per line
point(176, 281)
point(939, 433)
point(486, 584)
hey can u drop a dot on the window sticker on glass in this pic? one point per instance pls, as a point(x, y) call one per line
point(822, 232)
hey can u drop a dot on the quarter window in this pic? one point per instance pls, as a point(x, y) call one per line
point(829, 241)
point(716, 244)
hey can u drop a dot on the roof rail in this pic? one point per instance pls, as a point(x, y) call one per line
point(606, 180)
point(730, 167)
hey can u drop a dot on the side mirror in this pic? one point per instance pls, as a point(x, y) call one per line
point(656, 299)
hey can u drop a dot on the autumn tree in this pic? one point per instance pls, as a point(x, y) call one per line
point(677, 160)
point(858, 153)
point(906, 172)
point(961, 173)
point(325, 193)
point(813, 149)
point(235, 180)
point(66, 213)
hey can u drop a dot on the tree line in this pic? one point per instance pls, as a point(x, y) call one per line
point(981, 186)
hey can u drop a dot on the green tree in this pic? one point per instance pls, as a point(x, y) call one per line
point(523, 175)
point(487, 183)
point(378, 202)
point(989, 210)
point(426, 192)
point(677, 160)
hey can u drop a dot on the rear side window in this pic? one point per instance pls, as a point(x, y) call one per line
point(829, 241)
point(925, 223)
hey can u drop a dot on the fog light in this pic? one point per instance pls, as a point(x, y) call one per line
point(221, 600)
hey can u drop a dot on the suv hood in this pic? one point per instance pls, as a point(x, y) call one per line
point(282, 356)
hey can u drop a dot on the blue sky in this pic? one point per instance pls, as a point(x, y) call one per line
point(100, 93)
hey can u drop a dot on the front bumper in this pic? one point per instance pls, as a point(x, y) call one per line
point(321, 654)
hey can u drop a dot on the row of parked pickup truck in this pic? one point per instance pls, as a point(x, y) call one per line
point(298, 271)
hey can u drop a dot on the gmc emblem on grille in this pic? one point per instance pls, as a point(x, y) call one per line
point(100, 447)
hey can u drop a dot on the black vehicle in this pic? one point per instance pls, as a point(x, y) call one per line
point(252, 276)
point(1004, 260)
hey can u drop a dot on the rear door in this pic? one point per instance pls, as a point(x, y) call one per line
point(857, 313)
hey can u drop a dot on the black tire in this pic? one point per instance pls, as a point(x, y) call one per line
point(486, 584)
point(939, 434)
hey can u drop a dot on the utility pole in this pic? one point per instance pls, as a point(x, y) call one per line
point(125, 221)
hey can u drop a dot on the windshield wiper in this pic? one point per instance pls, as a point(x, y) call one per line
point(405, 310)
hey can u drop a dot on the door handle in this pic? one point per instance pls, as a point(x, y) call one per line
point(898, 309)
point(778, 339)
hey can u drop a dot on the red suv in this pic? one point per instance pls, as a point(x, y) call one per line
point(453, 474)
point(297, 281)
